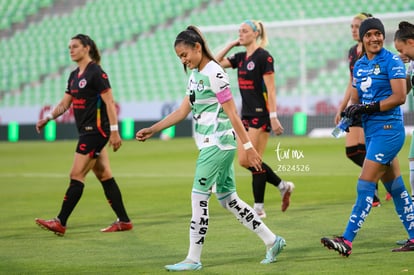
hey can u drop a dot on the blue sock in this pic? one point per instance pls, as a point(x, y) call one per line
point(361, 209)
point(403, 204)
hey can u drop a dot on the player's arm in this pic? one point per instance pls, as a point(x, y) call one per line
point(269, 80)
point(398, 96)
point(57, 111)
point(354, 95)
point(114, 139)
point(178, 115)
point(253, 157)
point(344, 102)
point(220, 57)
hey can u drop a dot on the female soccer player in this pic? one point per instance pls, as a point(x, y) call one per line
point(216, 125)
point(256, 79)
point(354, 139)
point(90, 94)
point(379, 90)
point(404, 43)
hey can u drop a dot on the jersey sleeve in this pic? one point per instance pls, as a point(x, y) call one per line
point(219, 82)
point(100, 81)
point(234, 59)
point(396, 68)
point(68, 82)
point(267, 63)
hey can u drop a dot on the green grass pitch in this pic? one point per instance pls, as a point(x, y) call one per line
point(155, 178)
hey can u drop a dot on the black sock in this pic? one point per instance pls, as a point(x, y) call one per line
point(258, 184)
point(114, 197)
point(355, 154)
point(72, 196)
point(271, 177)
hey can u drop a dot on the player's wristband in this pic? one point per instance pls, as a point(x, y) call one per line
point(49, 116)
point(247, 145)
point(114, 127)
point(272, 115)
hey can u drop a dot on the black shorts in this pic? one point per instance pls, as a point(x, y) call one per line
point(257, 123)
point(91, 145)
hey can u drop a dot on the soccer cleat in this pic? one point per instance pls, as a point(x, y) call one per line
point(184, 266)
point(338, 244)
point(376, 202)
point(388, 196)
point(275, 250)
point(408, 246)
point(53, 225)
point(401, 242)
point(286, 192)
point(118, 226)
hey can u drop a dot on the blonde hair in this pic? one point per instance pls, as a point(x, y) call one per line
point(257, 26)
point(363, 15)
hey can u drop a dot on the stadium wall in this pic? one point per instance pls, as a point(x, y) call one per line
point(298, 124)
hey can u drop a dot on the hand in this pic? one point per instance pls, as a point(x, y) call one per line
point(338, 117)
point(144, 134)
point(115, 140)
point(41, 124)
point(351, 110)
point(254, 159)
point(236, 43)
point(277, 127)
point(357, 109)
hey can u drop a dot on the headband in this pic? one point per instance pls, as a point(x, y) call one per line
point(251, 24)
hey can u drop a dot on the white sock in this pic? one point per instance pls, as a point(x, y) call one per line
point(258, 206)
point(281, 186)
point(247, 216)
point(411, 165)
point(198, 226)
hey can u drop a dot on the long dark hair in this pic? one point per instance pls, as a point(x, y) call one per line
point(87, 41)
point(190, 36)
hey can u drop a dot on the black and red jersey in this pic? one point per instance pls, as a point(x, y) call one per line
point(88, 107)
point(250, 71)
point(353, 56)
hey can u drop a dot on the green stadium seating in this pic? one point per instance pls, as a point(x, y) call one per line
point(136, 40)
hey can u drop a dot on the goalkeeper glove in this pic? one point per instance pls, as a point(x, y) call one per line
point(357, 109)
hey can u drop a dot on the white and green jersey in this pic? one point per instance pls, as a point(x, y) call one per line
point(211, 124)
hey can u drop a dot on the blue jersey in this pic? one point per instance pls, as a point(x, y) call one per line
point(384, 131)
point(372, 78)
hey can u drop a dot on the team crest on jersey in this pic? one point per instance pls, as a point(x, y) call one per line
point(82, 83)
point(377, 69)
point(200, 86)
point(250, 66)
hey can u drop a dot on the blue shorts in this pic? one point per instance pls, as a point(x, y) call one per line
point(385, 142)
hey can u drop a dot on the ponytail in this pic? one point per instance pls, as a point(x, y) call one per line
point(190, 36)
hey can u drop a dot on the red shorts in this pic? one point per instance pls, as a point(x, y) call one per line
point(91, 145)
point(257, 123)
